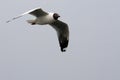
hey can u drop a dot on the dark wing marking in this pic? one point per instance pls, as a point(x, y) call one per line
point(38, 12)
point(63, 33)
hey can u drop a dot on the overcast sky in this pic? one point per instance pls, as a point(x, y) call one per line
point(32, 52)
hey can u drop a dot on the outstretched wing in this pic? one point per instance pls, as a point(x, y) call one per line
point(37, 12)
point(63, 33)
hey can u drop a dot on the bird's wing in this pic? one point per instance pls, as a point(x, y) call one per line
point(35, 12)
point(38, 12)
point(63, 33)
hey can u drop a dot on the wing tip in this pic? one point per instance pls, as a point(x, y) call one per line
point(63, 46)
point(63, 49)
point(7, 21)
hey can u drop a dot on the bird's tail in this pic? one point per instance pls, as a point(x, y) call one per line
point(31, 21)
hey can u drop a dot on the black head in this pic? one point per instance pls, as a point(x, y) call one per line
point(56, 16)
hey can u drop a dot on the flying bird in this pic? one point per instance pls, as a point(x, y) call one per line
point(44, 18)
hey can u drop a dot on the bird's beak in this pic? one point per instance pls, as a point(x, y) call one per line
point(58, 15)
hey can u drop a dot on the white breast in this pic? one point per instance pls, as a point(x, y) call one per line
point(45, 19)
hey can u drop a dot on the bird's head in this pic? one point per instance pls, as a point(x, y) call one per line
point(56, 16)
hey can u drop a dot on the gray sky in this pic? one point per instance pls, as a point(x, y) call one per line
point(32, 52)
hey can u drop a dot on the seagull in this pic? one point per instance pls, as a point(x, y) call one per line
point(46, 18)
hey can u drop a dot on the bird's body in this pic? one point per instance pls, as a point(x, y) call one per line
point(43, 18)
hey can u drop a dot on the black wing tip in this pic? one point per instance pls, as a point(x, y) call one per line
point(63, 50)
point(63, 46)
